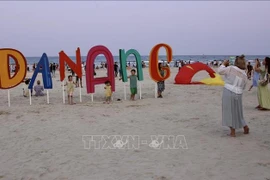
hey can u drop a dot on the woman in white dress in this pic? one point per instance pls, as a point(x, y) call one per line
point(235, 82)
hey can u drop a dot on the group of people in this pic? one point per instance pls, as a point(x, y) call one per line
point(133, 85)
point(236, 78)
point(53, 67)
point(108, 89)
point(38, 88)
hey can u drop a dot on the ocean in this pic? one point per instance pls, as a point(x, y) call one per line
point(201, 58)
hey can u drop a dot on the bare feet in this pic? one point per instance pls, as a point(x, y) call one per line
point(258, 107)
point(232, 134)
point(263, 109)
point(246, 130)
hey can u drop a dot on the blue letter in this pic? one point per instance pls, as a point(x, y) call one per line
point(44, 68)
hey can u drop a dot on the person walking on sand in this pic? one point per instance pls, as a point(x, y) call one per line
point(108, 92)
point(160, 84)
point(263, 86)
point(70, 89)
point(256, 74)
point(235, 82)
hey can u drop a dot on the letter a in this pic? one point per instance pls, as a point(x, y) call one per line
point(44, 68)
point(91, 56)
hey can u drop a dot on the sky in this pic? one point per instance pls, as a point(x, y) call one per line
point(190, 28)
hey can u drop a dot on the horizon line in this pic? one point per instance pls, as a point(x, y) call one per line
point(177, 55)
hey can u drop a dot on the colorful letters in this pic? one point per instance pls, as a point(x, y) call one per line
point(6, 81)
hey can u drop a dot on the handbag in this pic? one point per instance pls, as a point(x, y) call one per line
point(265, 81)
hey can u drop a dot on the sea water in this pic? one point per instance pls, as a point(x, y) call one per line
point(131, 58)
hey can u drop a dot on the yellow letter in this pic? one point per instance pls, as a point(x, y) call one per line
point(6, 81)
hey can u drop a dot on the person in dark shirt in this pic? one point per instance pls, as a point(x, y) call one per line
point(115, 69)
point(249, 70)
point(53, 69)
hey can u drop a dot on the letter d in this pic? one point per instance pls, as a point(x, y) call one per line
point(6, 81)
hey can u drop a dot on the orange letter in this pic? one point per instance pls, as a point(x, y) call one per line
point(76, 67)
point(6, 81)
point(153, 63)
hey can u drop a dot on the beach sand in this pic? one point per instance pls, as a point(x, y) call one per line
point(44, 141)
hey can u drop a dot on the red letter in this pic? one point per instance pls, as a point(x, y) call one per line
point(76, 67)
point(91, 56)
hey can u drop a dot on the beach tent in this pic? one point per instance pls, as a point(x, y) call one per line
point(187, 72)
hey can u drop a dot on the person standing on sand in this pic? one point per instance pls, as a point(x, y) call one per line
point(50, 68)
point(256, 74)
point(108, 92)
point(249, 70)
point(133, 84)
point(115, 69)
point(53, 69)
point(160, 84)
point(235, 82)
point(263, 89)
point(25, 89)
point(34, 66)
point(78, 81)
point(70, 89)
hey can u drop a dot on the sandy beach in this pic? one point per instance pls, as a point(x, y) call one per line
point(44, 141)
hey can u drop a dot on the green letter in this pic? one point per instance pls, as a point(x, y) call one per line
point(123, 63)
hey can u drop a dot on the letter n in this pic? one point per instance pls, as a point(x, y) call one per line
point(123, 61)
point(43, 68)
point(91, 56)
point(76, 67)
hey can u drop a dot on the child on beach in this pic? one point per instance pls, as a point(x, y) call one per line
point(25, 89)
point(70, 89)
point(161, 84)
point(133, 84)
point(108, 92)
